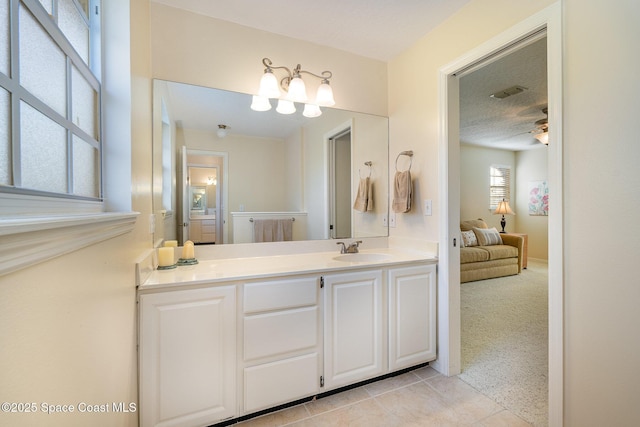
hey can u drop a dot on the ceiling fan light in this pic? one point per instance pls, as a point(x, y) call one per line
point(297, 91)
point(543, 137)
point(311, 110)
point(285, 107)
point(269, 85)
point(260, 103)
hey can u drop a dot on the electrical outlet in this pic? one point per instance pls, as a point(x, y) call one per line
point(427, 207)
point(392, 220)
point(384, 221)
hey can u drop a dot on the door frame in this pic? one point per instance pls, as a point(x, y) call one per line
point(449, 177)
point(329, 196)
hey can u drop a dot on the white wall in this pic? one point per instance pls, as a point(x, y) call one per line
point(531, 165)
point(196, 49)
point(474, 184)
point(601, 152)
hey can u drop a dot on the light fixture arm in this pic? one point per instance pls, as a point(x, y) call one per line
point(325, 76)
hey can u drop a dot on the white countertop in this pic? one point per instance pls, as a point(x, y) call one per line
point(233, 269)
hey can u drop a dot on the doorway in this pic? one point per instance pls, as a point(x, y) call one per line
point(203, 197)
point(449, 257)
point(339, 177)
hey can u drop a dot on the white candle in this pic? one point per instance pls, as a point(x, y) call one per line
point(188, 251)
point(165, 257)
point(171, 243)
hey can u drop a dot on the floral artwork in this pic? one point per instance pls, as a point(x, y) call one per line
point(538, 198)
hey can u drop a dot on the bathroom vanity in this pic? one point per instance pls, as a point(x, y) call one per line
point(235, 336)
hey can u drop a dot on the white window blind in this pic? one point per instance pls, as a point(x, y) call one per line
point(499, 185)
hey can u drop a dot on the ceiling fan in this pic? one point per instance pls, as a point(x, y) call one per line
point(541, 132)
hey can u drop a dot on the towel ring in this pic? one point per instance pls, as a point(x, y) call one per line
point(369, 163)
point(405, 153)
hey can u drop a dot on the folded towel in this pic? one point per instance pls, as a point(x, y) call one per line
point(402, 192)
point(364, 196)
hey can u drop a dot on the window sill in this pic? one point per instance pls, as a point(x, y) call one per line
point(29, 240)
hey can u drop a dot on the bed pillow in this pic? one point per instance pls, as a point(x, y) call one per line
point(469, 238)
point(487, 236)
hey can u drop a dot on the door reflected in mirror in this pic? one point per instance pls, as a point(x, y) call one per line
point(278, 166)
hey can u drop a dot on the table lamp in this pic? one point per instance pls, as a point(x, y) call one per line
point(503, 209)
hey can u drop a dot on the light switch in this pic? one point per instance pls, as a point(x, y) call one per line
point(427, 207)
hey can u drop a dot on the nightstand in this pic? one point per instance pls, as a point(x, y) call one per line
point(524, 251)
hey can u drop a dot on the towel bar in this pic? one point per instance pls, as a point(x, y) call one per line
point(405, 153)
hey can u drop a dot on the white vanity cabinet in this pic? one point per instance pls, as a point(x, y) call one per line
point(353, 327)
point(187, 351)
point(412, 321)
point(281, 345)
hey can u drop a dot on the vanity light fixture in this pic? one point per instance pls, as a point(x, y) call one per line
point(294, 91)
point(222, 131)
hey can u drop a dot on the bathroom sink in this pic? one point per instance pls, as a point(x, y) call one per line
point(362, 257)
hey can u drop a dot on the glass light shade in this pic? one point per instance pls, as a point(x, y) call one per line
point(311, 110)
point(222, 131)
point(269, 85)
point(297, 90)
point(285, 107)
point(324, 97)
point(543, 137)
point(260, 103)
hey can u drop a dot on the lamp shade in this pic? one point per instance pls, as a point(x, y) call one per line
point(503, 209)
point(269, 85)
point(311, 110)
point(285, 107)
point(324, 97)
point(297, 91)
point(260, 103)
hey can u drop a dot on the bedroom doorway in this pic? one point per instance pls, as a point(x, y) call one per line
point(449, 256)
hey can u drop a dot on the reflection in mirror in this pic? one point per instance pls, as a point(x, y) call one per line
point(310, 174)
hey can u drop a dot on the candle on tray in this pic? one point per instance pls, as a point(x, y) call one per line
point(165, 257)
point(187, 251)
point(171, 243)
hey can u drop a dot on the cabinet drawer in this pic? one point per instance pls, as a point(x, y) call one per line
point(274, 383)
point(208, 222)
point(208, 228)
point(280, 294)
point(280, 332)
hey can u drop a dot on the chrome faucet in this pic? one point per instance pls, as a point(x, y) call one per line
point(351, 249)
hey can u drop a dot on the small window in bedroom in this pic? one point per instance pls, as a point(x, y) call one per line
point(499, 185)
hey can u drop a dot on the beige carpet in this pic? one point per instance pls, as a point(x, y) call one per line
point(505, 340)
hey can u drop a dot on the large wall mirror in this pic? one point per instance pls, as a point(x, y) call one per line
point(302, 178)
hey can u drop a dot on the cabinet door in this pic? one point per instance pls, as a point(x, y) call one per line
point(412, 316)
point(353, 327)
point(195, 230)
point(188, 357)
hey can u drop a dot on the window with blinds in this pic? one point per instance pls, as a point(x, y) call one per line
point(50, 121)
point(499, 185)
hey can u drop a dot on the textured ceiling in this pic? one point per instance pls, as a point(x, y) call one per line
point(505, 123)
point(378, 29)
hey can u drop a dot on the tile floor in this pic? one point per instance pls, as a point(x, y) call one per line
point(421, 397)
